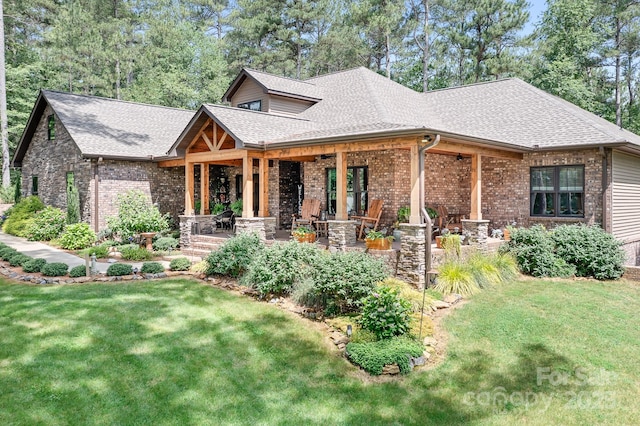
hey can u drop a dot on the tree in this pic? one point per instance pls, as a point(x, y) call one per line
point(6, 178)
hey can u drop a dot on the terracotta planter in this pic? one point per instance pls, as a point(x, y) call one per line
point(439, 241)
point(506, 234)
point(378, 244)
point(306, 238)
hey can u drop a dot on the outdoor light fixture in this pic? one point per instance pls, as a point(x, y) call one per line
point(459, 157)
point(135, 271)
point(349, 330)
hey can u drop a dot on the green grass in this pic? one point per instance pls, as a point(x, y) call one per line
point(177, 352)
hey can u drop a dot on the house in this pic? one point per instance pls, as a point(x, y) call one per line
point(103, 147)
point(496, 153)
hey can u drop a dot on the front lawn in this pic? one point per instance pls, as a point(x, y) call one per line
point(179, 352)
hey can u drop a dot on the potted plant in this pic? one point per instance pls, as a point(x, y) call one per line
point(376, 240)
point(236, 206)
point(304, 234)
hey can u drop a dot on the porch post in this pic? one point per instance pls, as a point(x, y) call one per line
point(341, 186)
point(476, 187)
point(189, 188)
point(263, 208)
point(247, 186)
point(204, 188)
point(415, 218)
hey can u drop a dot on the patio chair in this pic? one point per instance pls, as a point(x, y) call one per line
point(224, 219)
point(449, 221)
point(371, 218)
point(309, 213)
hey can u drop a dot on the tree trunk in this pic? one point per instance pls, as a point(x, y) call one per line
point(388, 55)
point(6, 177)
point(425, 48)
point(618, 66)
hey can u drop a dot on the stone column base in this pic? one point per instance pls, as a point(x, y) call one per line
point(265, 227)
point(476, 231)
point(342, 233)
point(186, 227)
point(411, 264)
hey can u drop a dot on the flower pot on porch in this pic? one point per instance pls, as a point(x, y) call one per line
point(506, 234)
point(306, 238)
point(378, 244)
point(439, 241)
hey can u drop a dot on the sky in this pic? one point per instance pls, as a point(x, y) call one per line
point(536, 7)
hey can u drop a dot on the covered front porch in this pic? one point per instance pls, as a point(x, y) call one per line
point(271, 182)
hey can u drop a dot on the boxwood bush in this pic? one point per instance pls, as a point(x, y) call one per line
point(373, 356)
point(7, 252)
point(78, 271)
point(47, 224)
point(180, 264)
point(275, 269)
point(152, 268)
point(235, 255)
point(54, 269)
point(19, 259)
point(34, 265)
point(77, 236)
point(118, 269)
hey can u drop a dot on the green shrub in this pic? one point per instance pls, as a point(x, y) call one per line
point(78, 271)
point(101, 251)
point(19, 216)
point(118, 269)
point(151, 268)
point(7, 252)
point(34, 265)
point(19, 259)
point(484, 270)
point(456, 277)
point(373, 356)
point(593, 252)
point(77, 236)
point(385, 313)
point(165, 244)
point(180, 264)
point(534, 250)
point(73, 205)
point(277, 267)
point(235, 255)
point(54, 269)
point(342, 279)
point(46, 225)
point(7, 194)
point(135, 253)
point(136, 214)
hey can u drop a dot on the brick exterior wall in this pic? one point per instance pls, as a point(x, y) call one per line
point(50, 160)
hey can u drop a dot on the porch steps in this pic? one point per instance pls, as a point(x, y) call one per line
point(202, 245)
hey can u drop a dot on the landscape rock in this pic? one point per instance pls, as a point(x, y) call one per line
point(440, 304)
point(452, 298)
point(430, 341)
point(391, 370)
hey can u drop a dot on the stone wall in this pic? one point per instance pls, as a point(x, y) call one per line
point(50, 160)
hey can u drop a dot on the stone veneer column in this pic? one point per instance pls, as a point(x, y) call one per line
point(265, 227)
point(411, 264)
point(186, 223)
point(342, 233)
point(477, 231)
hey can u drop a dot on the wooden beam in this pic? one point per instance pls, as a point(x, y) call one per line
point(455, 148)
point(171, 163)
point(222, 139)
point(204, 126)
point(204, 187)
point(263, 182)
point(189, 189)
point(341, 186)
point(247, 186)
point(476, 187)
point(306, 159)
point(355, 146)
point(414, 218)
point(227, 154)
point(207, 141)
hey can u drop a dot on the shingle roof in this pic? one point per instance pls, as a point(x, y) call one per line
point(110, 128)
point(284, 85)
point(518, 113)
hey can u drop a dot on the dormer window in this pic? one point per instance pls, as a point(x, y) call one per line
point(253, 105)
point(51, 127)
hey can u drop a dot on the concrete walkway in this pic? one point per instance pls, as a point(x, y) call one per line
point(51, 254)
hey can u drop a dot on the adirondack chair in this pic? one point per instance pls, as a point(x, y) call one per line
point(445, 220)
point(309, 213)
point(371, 218)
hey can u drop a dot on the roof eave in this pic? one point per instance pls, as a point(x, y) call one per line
point(293, 96)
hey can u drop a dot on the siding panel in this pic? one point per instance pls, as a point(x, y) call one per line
point(250, 91)
point(287, 106)
point(626, 197)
